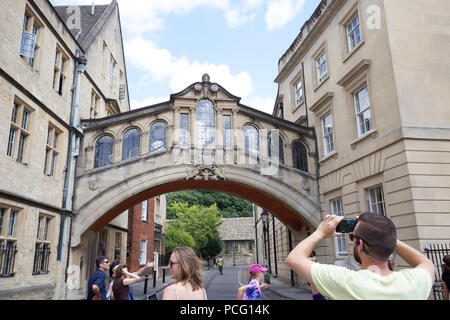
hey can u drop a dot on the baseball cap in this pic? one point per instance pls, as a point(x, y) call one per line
point(256, 268)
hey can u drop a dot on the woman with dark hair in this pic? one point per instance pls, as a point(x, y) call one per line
point(122, 280)
point(446, 276)
point(184, 266)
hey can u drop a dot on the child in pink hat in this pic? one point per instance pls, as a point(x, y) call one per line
point(252, 291)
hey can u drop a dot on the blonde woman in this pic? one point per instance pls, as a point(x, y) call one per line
point(184, 266)
point(122, 280)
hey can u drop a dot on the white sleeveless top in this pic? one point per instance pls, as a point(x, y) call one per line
point(178, 297)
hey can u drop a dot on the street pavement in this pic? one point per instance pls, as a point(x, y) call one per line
point(224, 287)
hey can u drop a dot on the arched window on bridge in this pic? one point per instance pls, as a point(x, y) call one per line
point(205, 123)
point(251, 136)
point(158, 136)
point(299, 156)
point(271, 143)
point(131, 144)
point(103, 151)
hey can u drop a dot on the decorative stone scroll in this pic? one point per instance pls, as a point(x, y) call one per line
point(200, 172)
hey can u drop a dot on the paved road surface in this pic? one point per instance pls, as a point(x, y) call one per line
point(225, 287)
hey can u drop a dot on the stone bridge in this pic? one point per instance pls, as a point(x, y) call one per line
point(202, 138)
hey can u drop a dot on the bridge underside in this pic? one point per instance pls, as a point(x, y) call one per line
point(262, 199)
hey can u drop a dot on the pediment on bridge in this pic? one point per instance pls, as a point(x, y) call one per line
point(205, 89)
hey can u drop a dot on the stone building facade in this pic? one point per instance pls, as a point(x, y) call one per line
point(238, 235)
point(49, 74)
point(378, 103)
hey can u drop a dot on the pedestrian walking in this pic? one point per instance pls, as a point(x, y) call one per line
point(446, 276)
point(184, 266)
point(252, 291)
point(374, 241)
point(96, 283)
point(122, 280)
point(220, 264)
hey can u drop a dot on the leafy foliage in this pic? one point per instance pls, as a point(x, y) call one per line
point(230, 206)
point(201, 223)
point(177, 237)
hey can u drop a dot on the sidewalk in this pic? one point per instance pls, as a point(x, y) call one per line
point(286, 291)
point(138, 288)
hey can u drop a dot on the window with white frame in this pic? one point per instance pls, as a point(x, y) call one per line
point(144, 210)
point(327, 131)
point(59, 69)
point(362, 108)
point(226, 131)
point(340, 242)
point(51, 150)
point(8, 242)
point(95, 101)
point(30, 38)
point(184, 129)
point(143, 252)
point(42, 247)
point(321, 65)
point(112, 70)
point(376, 200)
point(205, 123)
point(157, 206)
point(18, 132)
point(353, 33)
point(298, 92)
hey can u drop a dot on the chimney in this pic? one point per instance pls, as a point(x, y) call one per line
point(93, 9)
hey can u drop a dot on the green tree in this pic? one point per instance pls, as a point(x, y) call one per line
point(214, 247)
point(202, 223)
point(177, 237)
point(230, 206)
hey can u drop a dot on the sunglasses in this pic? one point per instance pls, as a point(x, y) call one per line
point(105, 262)
point(352, 237)
point(171, 263)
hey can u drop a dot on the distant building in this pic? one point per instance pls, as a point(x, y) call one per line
point(146, 231)
point(238, 235)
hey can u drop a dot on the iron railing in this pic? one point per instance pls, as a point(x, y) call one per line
point(436, 253)
point(7, 257)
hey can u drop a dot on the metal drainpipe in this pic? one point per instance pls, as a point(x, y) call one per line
point(256, 236)
point(274, 246)
point(80, 67)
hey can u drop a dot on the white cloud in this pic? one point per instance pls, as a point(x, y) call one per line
point(136, 104)
point(181, 72)
point(262, 104)
point(280, 12)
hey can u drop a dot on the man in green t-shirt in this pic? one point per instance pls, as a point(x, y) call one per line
point(374, 241)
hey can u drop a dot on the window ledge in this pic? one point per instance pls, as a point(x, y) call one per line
point(372, 133)
point(318, 85)
point(353, 51)
point(333, 154)
point(295, 108)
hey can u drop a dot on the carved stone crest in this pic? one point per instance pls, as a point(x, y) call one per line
point(305, 185)
point(93, 186)
point(199, 172)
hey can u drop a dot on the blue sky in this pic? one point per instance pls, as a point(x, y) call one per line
point(169, 44)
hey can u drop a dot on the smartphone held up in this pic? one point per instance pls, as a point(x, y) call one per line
point(346, 225)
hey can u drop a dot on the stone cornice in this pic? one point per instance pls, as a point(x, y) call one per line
point(323, 101)
point(354, 72)
point(300, 45)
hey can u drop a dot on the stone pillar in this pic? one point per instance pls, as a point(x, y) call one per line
point(117, 152)
point(145, 142)
point(89, 154)
point(176, 125)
